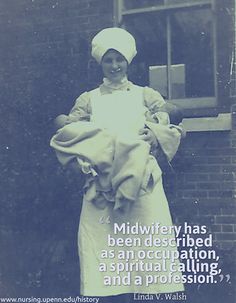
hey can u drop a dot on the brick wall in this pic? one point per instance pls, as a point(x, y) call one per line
point(45, 65)
point(204, 190)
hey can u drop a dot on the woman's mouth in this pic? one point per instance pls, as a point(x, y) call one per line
point(115, 71)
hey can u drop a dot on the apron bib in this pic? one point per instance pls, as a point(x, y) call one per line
point(122, 113)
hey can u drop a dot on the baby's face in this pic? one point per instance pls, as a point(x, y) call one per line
point(114, 66)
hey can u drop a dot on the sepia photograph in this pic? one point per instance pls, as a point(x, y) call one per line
point(118, 154)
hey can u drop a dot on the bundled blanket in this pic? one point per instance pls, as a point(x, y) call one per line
point(117, 170)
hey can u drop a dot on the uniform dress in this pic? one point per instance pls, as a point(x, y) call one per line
point(123, 118)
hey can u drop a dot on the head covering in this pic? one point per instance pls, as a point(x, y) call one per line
point(114, 38)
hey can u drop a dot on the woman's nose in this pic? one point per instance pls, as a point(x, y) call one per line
point(114, 64)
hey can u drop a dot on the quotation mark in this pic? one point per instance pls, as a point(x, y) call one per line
point(105, 220)
point(226, 276)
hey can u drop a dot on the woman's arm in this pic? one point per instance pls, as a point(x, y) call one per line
point(156, 106)
point(153, 102)
point(159, 132)
point(80, 112)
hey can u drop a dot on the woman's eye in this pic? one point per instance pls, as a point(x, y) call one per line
point(107, 61)
point(120, 59)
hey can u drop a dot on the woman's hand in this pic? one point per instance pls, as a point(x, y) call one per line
point(147, 135)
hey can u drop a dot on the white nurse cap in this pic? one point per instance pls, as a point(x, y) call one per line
point(114, 38)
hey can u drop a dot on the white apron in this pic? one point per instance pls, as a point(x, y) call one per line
point(122, 113)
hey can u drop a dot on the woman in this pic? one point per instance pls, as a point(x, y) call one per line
point(116, 130)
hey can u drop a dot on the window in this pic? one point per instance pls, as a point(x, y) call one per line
point(176, 45)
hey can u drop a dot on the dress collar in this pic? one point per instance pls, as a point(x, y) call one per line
point(109, 84)
point(108, 87)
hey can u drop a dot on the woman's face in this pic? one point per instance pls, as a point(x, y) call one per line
point(114, 66)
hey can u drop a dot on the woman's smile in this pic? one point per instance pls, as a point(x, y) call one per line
point(116, 71)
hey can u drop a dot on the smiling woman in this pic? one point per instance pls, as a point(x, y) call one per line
point(112, 135)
